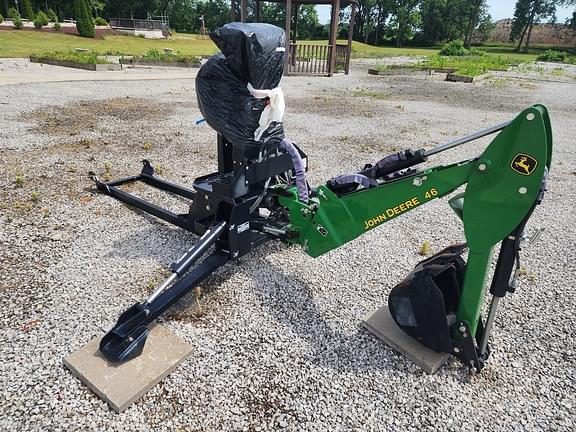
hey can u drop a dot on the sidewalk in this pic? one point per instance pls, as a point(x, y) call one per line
point(21, 71)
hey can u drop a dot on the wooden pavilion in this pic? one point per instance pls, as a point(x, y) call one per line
point(310, 59)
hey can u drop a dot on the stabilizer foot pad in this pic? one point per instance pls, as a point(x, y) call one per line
point(382, 325)
point(121, 384)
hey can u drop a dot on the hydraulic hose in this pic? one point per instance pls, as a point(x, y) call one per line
point(301, 183)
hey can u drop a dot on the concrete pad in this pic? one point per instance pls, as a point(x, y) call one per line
point(383, 326)
point(122, 384)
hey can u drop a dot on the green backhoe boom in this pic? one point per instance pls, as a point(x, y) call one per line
point(502, 185)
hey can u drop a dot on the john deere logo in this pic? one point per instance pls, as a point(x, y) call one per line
point(524, 164)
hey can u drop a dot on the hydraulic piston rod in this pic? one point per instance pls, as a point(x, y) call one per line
point(463, 140)
point(182, 265)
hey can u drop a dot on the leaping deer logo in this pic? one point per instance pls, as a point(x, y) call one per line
point(524, 164)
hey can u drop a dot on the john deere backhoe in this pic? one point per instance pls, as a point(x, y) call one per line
point(260, 194)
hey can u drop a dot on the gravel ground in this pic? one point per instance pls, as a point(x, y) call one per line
point(277, 343)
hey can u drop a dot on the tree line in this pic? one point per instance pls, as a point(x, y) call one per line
point(377, 22)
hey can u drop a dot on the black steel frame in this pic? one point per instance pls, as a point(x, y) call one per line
point(224, 196)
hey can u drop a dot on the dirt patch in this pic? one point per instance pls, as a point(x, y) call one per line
point(86, 115)
point(333, 107)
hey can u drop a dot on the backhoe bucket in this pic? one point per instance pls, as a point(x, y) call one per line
point(424, 304)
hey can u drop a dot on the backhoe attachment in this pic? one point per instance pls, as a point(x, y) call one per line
point(259, 196)
point(260, 193)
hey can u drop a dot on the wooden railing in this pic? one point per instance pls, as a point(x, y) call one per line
point(309, 59)
point(342, 59)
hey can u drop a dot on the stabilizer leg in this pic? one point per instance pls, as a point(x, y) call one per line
point(126, 339)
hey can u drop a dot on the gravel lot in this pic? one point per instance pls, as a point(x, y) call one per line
point(277, 344)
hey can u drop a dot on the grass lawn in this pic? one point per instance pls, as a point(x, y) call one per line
point(23, 43)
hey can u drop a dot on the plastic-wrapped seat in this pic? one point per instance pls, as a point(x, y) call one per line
point(250, 54)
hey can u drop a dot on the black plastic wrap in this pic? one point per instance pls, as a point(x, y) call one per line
point(251, 53)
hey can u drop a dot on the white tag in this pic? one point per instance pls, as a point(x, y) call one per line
point(243, 227)
point(281, 49)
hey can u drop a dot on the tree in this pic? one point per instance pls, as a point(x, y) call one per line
point(383, 8)
point(485, 28)
point(476, 7)
point(27, 11)
point(364, 22)
point(84, 22)
point(307, 22)
point(526, 14)
point(185, 14)
point(406, 17)
point(446, 20)
point(13, 13)
point(432, 13)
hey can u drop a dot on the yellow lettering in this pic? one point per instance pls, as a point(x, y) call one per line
point(391, 212)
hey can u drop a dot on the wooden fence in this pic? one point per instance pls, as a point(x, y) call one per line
point(309, 59)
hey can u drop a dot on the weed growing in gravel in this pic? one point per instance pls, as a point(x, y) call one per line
point(19, 180)
point(197, 295)
point(147, 146)
point(107, 172)
point(499, 83)
point(34, 196)
point(370, 94)
point(425, 248)
point(45, 212)
point(20, 205)
point(527, 85)
point(159, 169)
point(86, 142)
point(558, 72)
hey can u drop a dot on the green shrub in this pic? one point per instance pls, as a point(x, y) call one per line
point(171, 57)
point(1, 19)
point(84, 23)
point(44, 17)
point(13, 13)
point(27, 11)
point(453, 48)
point(552, 56)
point(476, 52)
point(56, 26)
point(40, 20)
point(52, 15)
point(17, 23)
point(469, 66)
point(74, 56)
point(99, 21)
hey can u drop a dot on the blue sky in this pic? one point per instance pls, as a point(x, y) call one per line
point(498, 9)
